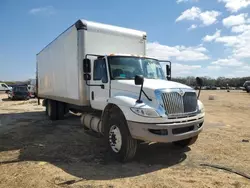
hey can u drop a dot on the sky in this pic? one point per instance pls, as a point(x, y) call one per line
point(200, 37)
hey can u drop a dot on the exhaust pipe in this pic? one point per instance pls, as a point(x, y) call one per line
point(92, 122)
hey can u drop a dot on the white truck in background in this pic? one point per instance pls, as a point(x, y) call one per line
point(102, 71)
point(32, 88)
point(4, 87)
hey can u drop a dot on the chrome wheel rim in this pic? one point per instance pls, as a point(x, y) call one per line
point(115, 138)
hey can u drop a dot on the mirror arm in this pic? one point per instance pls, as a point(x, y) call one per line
point(139, 100)
point(199, 93)
point(199, 83)
point(142, 91)
point(146, 95)
point(101, 85)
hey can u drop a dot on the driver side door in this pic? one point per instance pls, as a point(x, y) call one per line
point(99, 94)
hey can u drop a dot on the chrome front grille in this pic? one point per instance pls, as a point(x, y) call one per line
point(177, 105)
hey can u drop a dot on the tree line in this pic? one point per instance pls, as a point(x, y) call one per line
point(218, 82)
point(190, 80)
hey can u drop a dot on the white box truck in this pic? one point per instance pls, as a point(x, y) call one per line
point(102, 72)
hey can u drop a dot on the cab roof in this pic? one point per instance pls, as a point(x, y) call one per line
point(130, 55)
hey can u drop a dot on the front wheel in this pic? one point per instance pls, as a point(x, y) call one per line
point(120, 143)
point(186, 142)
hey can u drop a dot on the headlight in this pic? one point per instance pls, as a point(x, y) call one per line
point(146, 112)
point(201, 107)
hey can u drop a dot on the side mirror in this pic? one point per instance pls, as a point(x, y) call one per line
point(168, 72)
point(139, 80)
point(87, 77)
point(199, 81)
point(86, 65)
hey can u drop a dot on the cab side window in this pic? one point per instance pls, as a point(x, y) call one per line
point(100, 70)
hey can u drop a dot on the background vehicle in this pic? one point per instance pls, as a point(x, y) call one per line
point(32, 90)
point(19, 92)
point(246, 85)
point(5, 87)
point(90, 68)
point(213, 88)
point(33, 86)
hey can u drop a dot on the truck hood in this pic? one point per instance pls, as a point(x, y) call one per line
point(149, 86)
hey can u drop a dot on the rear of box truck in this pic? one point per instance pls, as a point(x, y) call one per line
point(58, 69)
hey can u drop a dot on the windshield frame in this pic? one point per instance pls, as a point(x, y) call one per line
point(139, 57)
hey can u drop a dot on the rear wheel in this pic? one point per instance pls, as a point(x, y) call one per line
point(52, 109)
point(186, 142)
point(60, 110)
point(119, 141)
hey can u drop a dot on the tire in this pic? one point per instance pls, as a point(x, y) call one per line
point(60, 110)
point(186, 142)
point(46, 110)
point(66, 109)
point(120, 144)
point(52, 109)
point(45, 104)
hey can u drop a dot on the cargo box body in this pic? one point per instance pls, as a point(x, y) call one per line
point(59, 64)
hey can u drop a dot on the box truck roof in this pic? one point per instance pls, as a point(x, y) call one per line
point(103, 28)
point(89, 25)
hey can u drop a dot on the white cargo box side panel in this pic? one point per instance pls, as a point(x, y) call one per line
point(105, 39)
point(58, 68)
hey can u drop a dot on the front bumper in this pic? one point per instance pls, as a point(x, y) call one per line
point(166, 132)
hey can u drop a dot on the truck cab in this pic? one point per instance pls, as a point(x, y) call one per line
point(138, 102)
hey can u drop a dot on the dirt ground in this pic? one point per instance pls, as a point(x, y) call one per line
point(35, 152)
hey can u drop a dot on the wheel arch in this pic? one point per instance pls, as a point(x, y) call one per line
point(105, 114)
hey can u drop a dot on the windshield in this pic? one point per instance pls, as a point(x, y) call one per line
point(122, 67)
point(21, 89)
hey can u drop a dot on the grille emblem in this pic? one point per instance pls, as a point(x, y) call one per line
point(181, 93)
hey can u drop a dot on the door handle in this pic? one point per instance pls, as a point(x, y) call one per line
point(92, 95)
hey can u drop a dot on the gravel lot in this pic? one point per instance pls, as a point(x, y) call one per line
point(35, 152)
